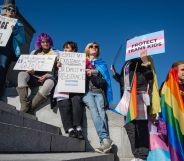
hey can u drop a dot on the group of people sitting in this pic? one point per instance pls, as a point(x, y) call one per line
point(70, 106)
point(98, 93)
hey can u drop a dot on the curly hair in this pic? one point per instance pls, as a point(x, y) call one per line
point(43, 36)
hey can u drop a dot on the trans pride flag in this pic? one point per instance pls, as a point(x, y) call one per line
point(103, 69)
point(128, 104)
point(172, 114)
point(158, 145)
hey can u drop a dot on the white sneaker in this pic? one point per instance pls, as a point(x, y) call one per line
point(99, 150)
point(105, 147)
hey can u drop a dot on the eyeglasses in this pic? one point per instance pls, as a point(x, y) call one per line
point(93, 46)
point(11, 10)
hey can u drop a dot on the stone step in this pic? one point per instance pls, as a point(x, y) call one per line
point(121, 148)
point(9, 114)
point(87, 156)
point(12, 108)
point(21, 139)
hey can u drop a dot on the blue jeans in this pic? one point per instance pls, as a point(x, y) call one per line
point(95, 103)
point(4, 65)
point(7, 55)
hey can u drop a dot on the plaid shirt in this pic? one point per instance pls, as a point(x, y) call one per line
point(143, 100)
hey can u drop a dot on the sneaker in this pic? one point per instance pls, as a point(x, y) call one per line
point(105, 147)
point(99, 150)
point(79, 134)
point(72, 134)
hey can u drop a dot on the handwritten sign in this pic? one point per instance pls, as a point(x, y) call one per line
point(71, 76)
point(36, 62)
point(6, 25)
point(153, 43)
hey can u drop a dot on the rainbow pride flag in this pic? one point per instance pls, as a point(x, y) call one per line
point(132, 111)
point(172, 114)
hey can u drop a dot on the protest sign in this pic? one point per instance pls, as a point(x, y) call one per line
point(153, 43)
point(6, 25)
point(71, 76)
point(35, 62)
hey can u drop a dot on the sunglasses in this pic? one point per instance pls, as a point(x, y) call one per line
point(93, 46)
point(11, 10)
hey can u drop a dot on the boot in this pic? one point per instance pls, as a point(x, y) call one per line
point(38, 100)
point(23, 95)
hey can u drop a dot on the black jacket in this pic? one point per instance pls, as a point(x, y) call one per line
point(100, 83)
point(144, 76)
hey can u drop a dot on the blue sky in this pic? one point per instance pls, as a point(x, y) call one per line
point(110, 23)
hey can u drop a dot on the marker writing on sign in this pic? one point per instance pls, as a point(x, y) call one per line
point(3, 25)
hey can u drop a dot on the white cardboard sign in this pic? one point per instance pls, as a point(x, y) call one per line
point(6, 25)
point(35, 62)
point(72, 75)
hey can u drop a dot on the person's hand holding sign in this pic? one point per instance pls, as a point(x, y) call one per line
point(42, 78)
point(31, 71)
point(58, 62)
point(89, 72)
point(144, 58)
point(113, 69)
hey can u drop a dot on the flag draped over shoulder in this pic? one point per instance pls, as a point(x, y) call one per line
point(172, 107)
point(103, 69)
point(132, 111)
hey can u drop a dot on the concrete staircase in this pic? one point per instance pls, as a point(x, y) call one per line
point(20, 132)
point(46, 116)
point(23, 137)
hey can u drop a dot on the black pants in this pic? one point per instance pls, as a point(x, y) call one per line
point(5, 61)
point(138, 134)
point(71, 111)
